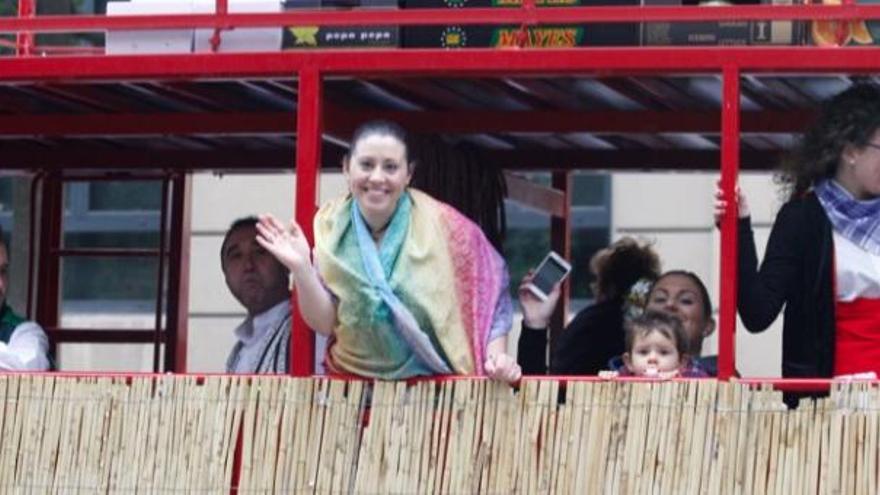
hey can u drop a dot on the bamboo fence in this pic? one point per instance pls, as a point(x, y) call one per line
point(221, 434)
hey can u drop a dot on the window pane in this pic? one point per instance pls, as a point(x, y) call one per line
point(134, 240)
point(125, 195)
point(5, 194)
point(108, 279)
point(589, 190)
point(524, 248)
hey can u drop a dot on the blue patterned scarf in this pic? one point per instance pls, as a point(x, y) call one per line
point(378, 264)
point(858, 221)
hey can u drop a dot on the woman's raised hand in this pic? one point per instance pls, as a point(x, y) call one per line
point(721, 204)
point(536, 313)
point(288, 245)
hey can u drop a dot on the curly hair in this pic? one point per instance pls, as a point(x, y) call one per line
point(849, 118)
point(624, 263)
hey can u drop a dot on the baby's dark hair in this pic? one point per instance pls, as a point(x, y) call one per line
point(656, 321)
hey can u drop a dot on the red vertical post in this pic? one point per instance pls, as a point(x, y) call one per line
point(177, 310)
point(560, 241)
point(221, 8)
point(36, 182)
point(49, 262)
point(308, 163)
point(160, 278)
point(24, 41)
point(729, 172)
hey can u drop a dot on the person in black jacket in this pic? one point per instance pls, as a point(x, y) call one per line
point(822, 260)
point(595, 335)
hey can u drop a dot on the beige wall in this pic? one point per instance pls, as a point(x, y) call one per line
point(675, 212)
point(214, 313)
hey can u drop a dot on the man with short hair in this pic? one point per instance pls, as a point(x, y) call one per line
point(260, 283)
point(23, 344)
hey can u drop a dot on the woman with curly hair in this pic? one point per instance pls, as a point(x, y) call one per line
point(823, 255)
point(595, 335)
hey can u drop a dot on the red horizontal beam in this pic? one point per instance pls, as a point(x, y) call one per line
point(109, 252)
point(611, 121)
point(789, 384)
point(417, 17)
point(152, 124)
point(105, 336)
point(621, 160)
point(445, 63)
point(344, 122)
point(71, 156)
point(794, 384)
point(90, 157)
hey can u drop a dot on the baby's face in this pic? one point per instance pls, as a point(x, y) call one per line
point(653, 353)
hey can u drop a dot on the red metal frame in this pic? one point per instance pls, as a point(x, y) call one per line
point(177, 308)
point(312, 67)
point(343, 122)
point(524, 15)
point(560, 241)
point(36, 181)
point(173, 244)
point(49, 270)
point(308, 163)
point(729, 172)
point(24, 41)
point(446, 63)
point(160, 275)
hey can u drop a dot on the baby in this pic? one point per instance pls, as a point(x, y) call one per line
point(656, 346)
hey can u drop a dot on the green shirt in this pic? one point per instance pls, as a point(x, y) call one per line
point(8, 322)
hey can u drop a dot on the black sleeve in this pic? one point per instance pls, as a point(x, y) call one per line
point(531, 352)
point(763, 292)
point(590, 340)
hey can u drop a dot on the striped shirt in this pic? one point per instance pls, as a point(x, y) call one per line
point(263, 342)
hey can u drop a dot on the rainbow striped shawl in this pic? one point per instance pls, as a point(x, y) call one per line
point(426, 301)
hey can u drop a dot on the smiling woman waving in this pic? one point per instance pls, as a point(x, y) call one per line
point(403, 284)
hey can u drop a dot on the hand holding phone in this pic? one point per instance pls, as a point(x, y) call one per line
point(552, 270)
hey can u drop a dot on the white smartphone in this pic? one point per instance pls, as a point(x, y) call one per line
point(551, 271)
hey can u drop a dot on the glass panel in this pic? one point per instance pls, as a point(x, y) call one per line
point(108, 279)
point(134, 240)
point(5, 194)
point(7, 8)
point(589, 190)
point(125, 195)
point(524, 248)
point(70, 7)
